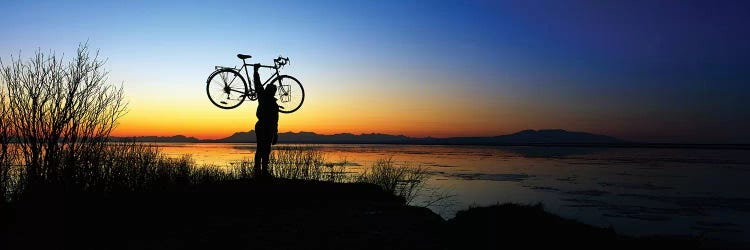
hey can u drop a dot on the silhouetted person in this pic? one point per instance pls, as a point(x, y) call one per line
point(266, 129)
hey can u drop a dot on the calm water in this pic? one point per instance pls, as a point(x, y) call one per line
point(637, 191)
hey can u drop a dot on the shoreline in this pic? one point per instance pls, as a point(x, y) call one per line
point(540, 145)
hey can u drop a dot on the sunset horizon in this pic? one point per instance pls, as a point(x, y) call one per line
point(334, 133)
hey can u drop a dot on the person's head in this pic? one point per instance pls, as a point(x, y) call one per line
point(270, 90)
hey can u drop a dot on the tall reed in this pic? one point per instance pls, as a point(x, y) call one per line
point(298, 162)
point(139, 167)
point(405, 179)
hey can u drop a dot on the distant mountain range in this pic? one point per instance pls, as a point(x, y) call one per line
point(526, 137)
point(176, 138)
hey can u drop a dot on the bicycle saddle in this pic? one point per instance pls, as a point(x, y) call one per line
point(243, 57)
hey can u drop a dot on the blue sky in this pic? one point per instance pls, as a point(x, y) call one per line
point(663, 71)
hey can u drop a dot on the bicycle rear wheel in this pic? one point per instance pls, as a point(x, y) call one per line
point(226, 88)
point(289, 93)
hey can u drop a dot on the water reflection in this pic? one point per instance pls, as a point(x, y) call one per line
point(635, 190)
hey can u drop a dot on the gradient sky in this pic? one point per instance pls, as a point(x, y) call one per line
point(658, 71)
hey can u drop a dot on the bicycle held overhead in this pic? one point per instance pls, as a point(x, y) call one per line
point(227, 88)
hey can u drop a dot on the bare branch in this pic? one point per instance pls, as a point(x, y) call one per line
point(61, 113)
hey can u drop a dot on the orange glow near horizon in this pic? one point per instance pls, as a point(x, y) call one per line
point(372, 105)
point(208, 122)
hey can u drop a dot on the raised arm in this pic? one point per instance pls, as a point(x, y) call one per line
point(256, 79)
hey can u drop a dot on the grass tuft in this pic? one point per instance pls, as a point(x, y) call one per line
point(139, 167)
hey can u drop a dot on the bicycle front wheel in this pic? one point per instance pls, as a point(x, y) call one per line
point(289, 93)
point(226, 88)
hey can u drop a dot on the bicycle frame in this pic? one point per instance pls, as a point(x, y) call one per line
point(247, 75)
point(251, 86)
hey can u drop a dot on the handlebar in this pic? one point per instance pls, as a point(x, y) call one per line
point(281, 61)
point(278, 62)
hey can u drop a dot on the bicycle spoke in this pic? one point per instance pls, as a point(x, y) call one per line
point(232, 81)
point(219, 90)
point(217, 85)
point(219, 93)
point(223, 78)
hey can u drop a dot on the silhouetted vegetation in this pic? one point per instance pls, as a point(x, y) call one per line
point(138, 167)
point(405, 180)
point(297, 162)
point(59, 115)
point(5, 155)
point(129, 167)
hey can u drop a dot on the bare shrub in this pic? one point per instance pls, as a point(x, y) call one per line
point(5, 155)
point(61, 113)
